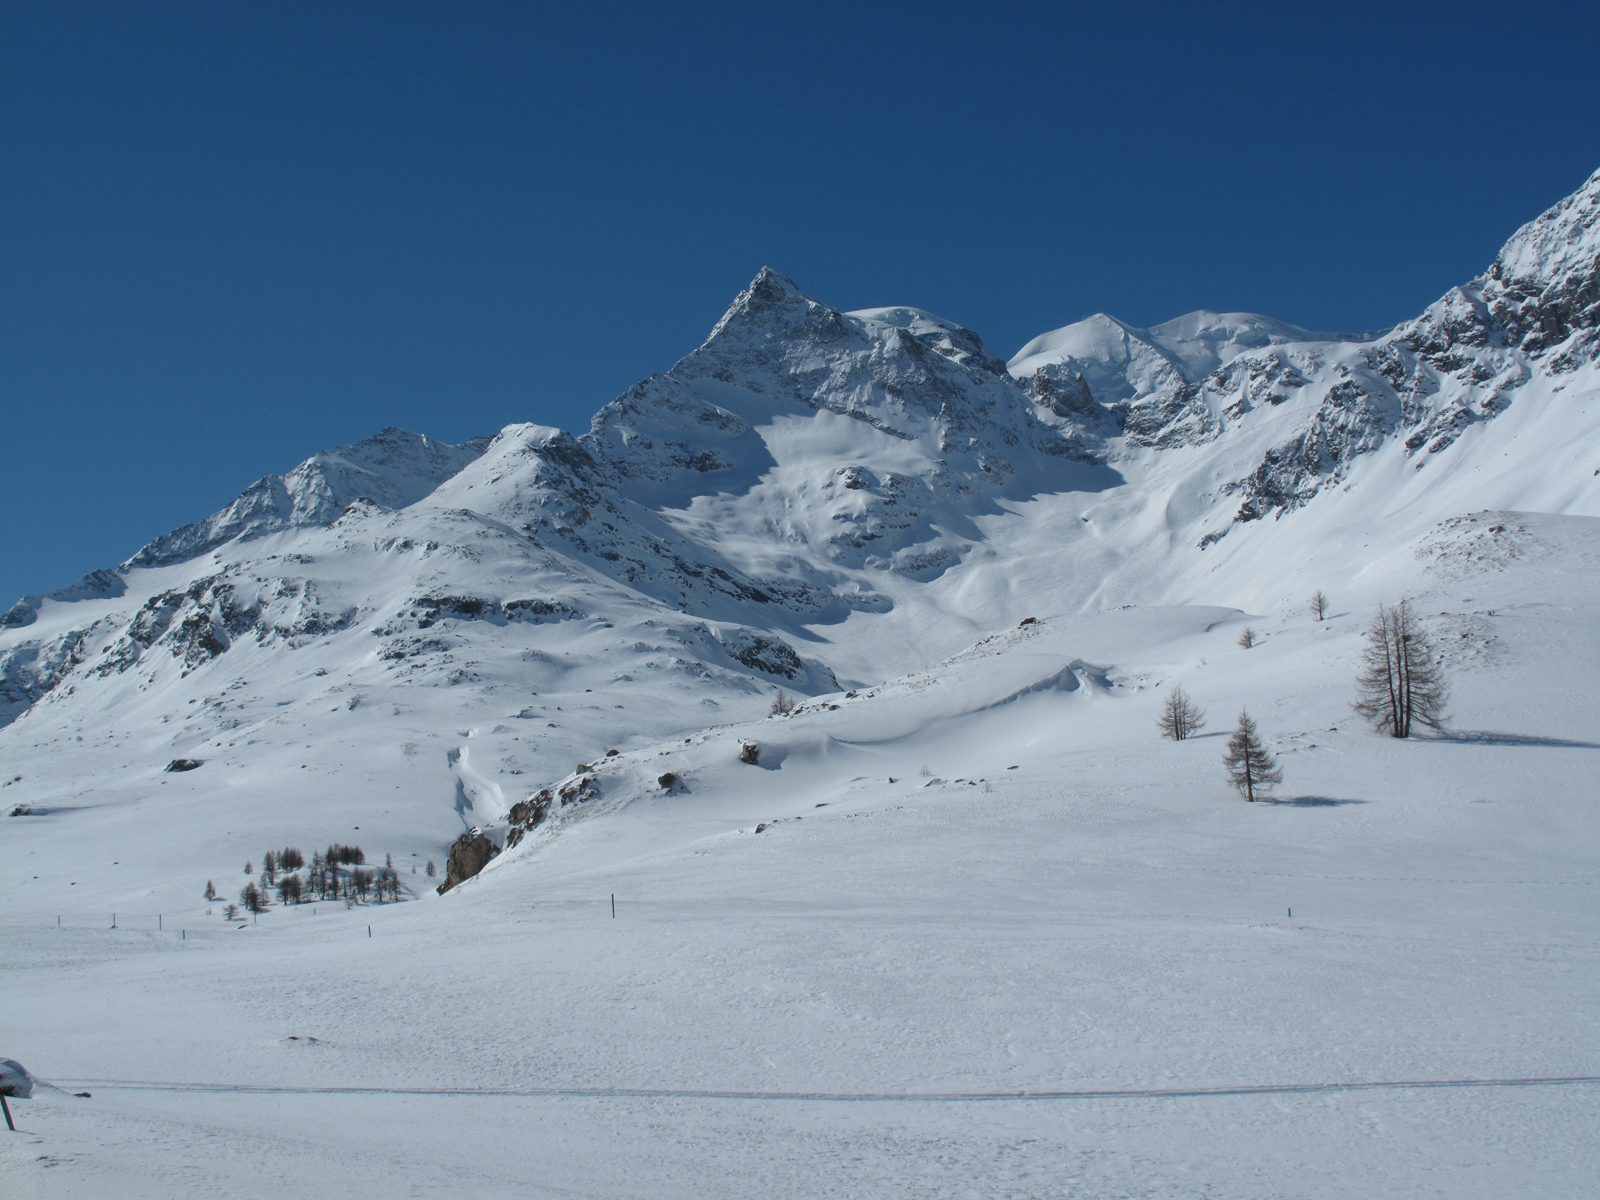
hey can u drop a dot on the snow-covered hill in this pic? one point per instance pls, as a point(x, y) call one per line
point(569, 640)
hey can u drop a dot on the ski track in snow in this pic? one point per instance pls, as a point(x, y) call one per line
point(876, 1097)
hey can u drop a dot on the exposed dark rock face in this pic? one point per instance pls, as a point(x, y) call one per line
point(183, 764)
point(577, 791)
point(765, 654)
point(540, 611)
point(427, 610)
point(527, 814)
point(1350, 422)
point(469, 855)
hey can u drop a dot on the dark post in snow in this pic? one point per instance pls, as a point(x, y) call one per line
point(3, 1105)
point(613, 906)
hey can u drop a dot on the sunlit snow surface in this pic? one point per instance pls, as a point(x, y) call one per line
point(1107, 917)
point(968, 927)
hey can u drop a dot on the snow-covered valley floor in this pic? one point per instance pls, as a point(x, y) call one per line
point(1063, 903)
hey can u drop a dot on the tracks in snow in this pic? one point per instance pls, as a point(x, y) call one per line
point(870, 1097)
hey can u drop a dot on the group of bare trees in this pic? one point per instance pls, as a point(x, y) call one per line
point(1400, 689)
point(336, 874)
point(1250, 767)
point(1401, 685)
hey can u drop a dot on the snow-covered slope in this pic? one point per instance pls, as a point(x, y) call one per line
point(954, 563)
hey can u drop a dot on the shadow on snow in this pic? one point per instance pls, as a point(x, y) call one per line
point(1310, 801)
point(1484, 737)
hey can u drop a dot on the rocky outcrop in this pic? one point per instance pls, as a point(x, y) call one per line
point(770, 656)
point(469, 854)
point(527, 814)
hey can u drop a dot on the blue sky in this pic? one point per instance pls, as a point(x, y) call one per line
point(234, 234)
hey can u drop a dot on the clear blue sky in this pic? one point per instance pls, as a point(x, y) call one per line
point(232, 234)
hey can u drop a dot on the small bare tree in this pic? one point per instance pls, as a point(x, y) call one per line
point(1318, 604)
point(432, 871)
point(289, 889)
point(254, 900)
point(782, 705)
point(1401, 684)
point(1247, 638)
point(1180, 716)
point(1250, 768)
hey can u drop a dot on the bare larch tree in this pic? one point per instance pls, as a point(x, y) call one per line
point(1318, 604)
point(1250, 768)
point(1180, 716)
point(1401, 685)
point(1247, 638)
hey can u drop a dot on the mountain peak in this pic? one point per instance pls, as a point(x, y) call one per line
point(1545, 282)
point(769, 294)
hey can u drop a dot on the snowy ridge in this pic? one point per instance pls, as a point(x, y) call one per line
point(391, 469)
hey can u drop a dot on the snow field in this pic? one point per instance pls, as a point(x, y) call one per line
point(1108, 916)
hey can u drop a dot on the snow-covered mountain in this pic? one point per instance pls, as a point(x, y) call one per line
point(821, 500)
point(979, 873)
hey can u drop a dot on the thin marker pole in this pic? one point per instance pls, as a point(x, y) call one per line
point(7, 1108)
point(158, 923)
point(369, 930)
point(613, 906)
